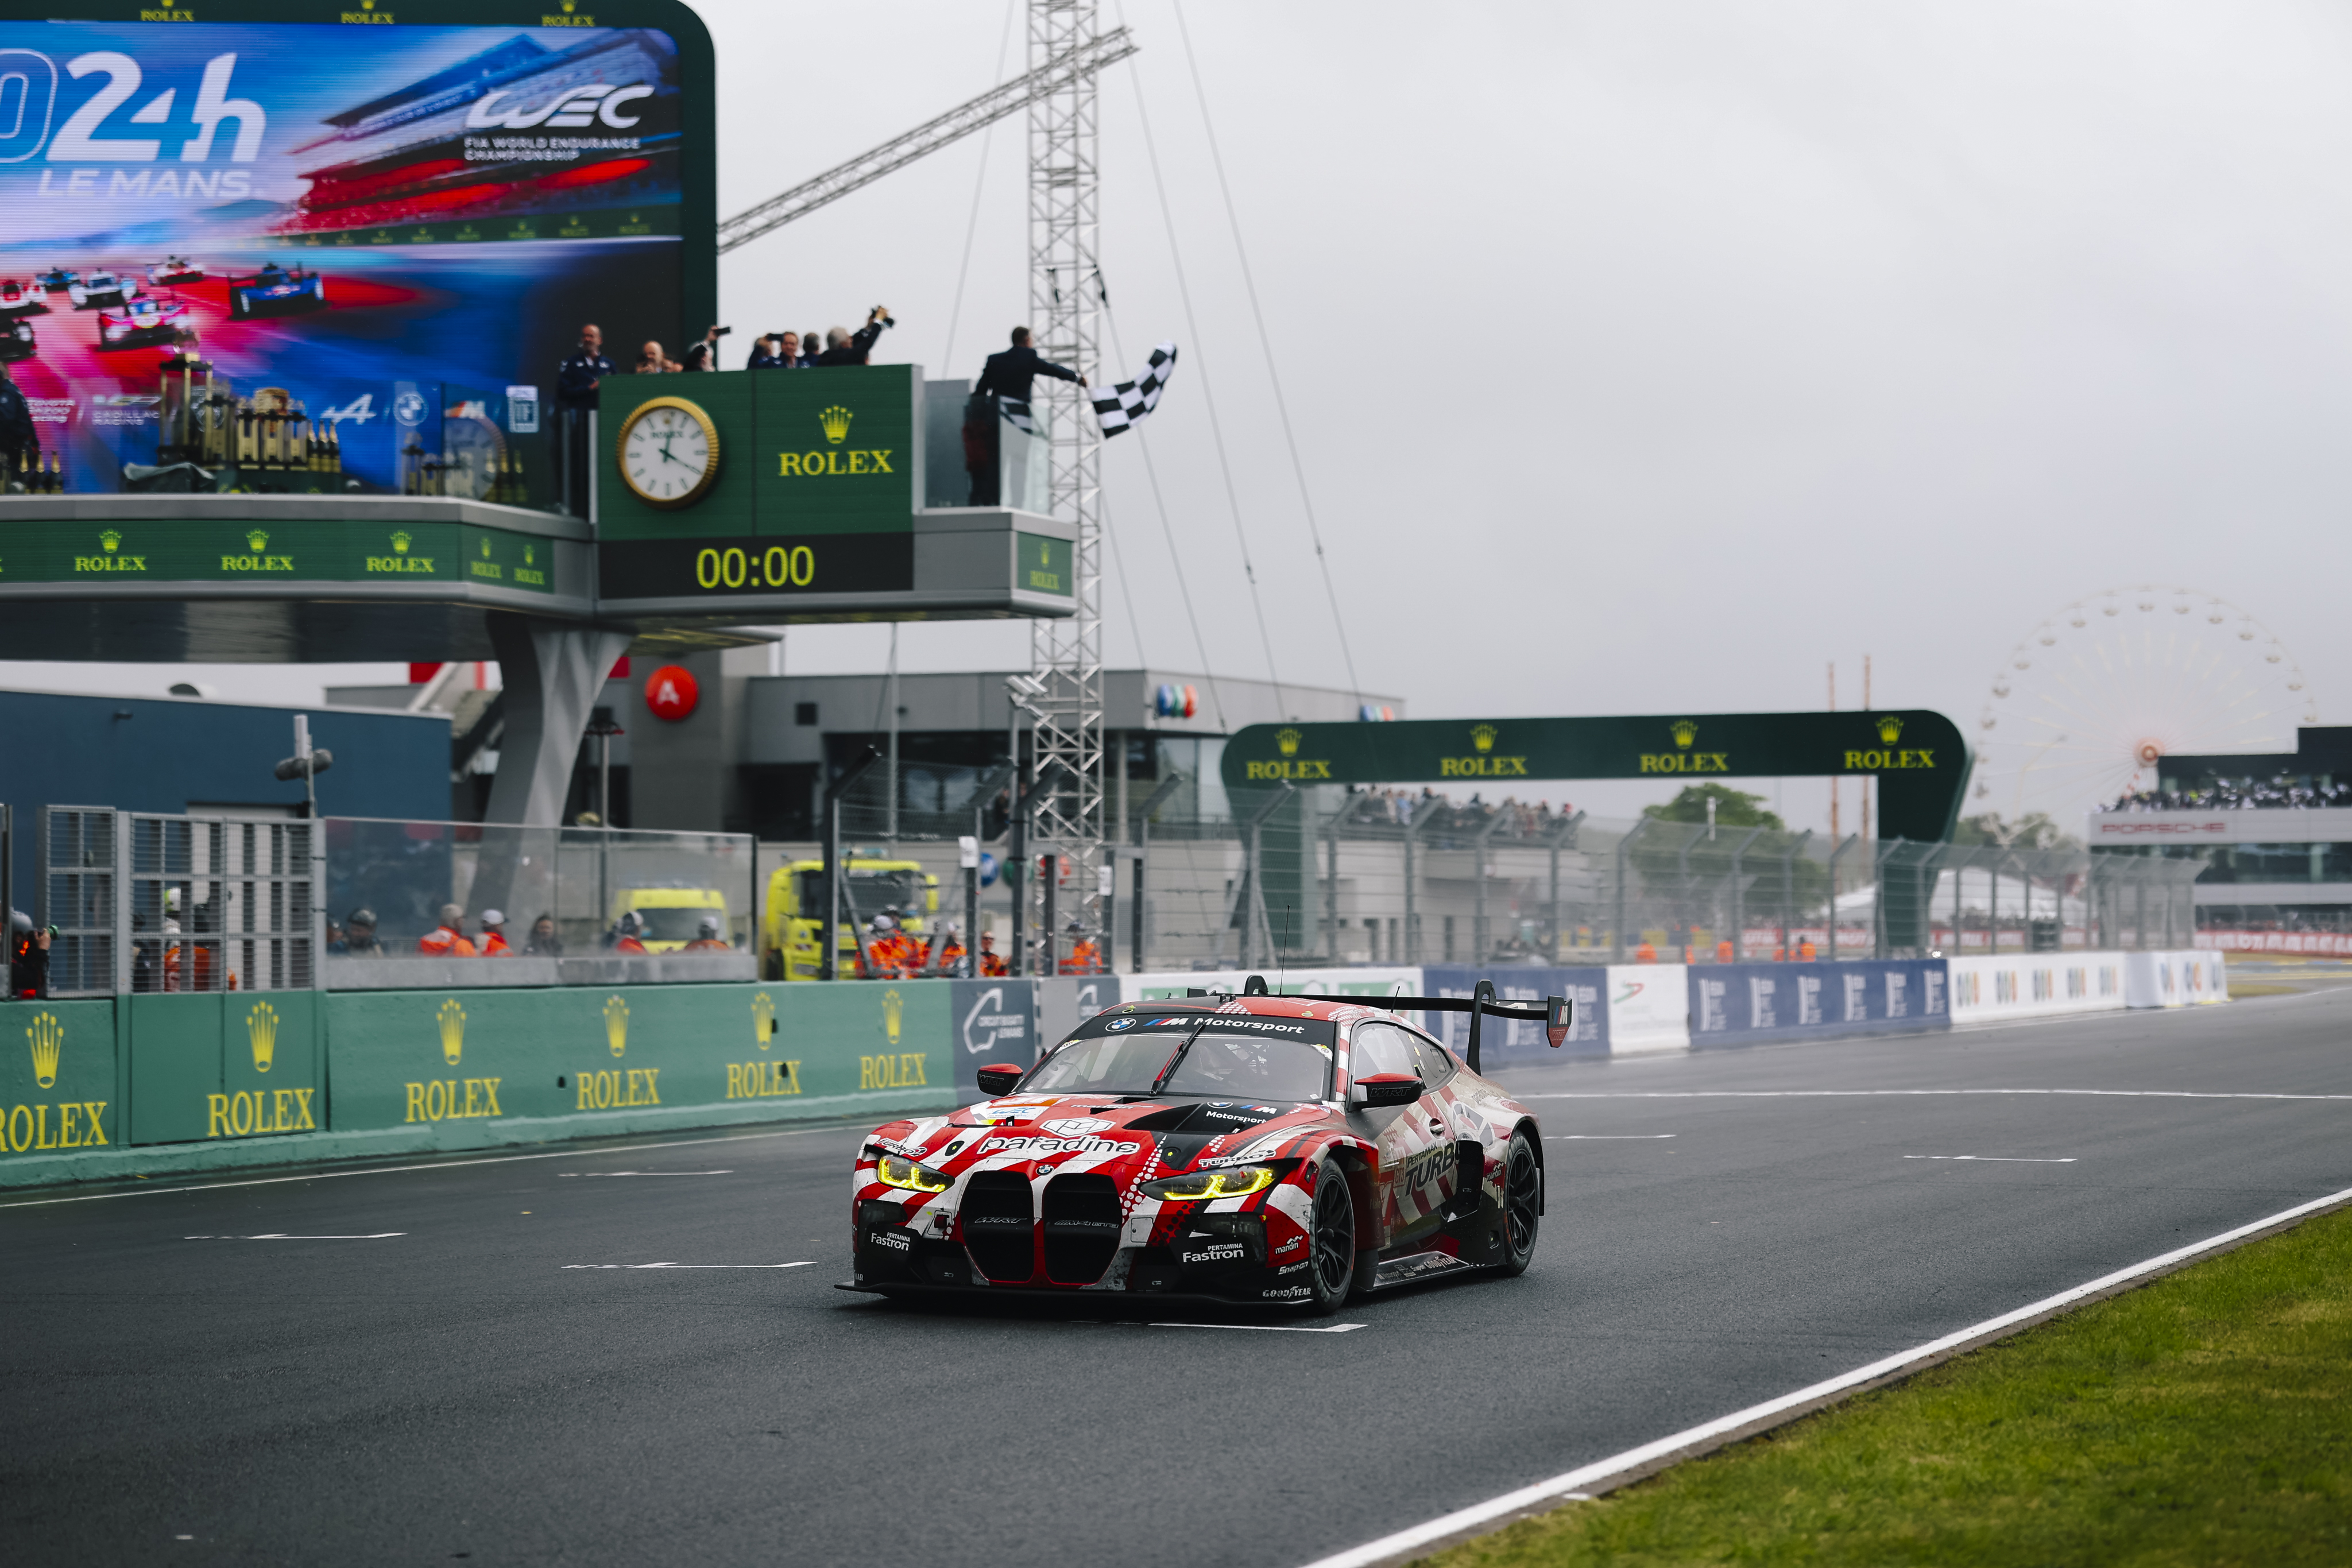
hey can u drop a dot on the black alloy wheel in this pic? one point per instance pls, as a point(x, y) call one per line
point(1331, 1242)
point(1522, 1201)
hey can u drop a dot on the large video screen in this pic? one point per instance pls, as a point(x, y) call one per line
point(389, 226)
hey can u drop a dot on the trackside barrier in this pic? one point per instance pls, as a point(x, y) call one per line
point(2047, 985)
point(2176, 979)
point(144, 1083)
point(1750, 1004)
point(2315, 944)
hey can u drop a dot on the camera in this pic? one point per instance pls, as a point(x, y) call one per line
point(882, 312)
point(721, 332)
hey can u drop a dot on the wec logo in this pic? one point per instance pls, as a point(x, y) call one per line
point(571, 108)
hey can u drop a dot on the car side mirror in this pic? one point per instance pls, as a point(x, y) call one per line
point(999, 1078)
point(1561, 1018)
point(1378, 1089)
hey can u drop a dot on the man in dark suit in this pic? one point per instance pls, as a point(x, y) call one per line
point(1006, 377)
point(846, 348)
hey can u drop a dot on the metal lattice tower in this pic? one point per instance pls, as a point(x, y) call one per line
point(1064, 297)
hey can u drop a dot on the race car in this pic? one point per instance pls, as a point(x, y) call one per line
point(143, 320)
point(276, 291)
point(17, 341)
point(46, 286)
point(100, 290)
point(175, 269)
point(1279, 1152)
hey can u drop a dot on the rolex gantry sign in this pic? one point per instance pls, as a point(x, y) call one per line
point(1920, 761)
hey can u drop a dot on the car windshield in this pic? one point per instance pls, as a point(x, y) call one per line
point(1232, 1056)
point(864, 892)
point(675, 923)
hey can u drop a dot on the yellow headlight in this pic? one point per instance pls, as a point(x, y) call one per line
point(900, 1173)
point(1231, 1181)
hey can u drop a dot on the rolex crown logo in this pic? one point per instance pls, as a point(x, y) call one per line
point(1483, 736)
point(486, 547)
point(453, 1031)
point(111, 541)
point(763, 1018)
point(1045, 552)
point(48, 1037)
point(259, 541)
point(1288, 740)
point(1685, 731)
point(835, 421)
point(894, 1009)
point(399, 543)
point(261, 1028)
point(526, 556)
point(616, 1024)
point(1890, 730)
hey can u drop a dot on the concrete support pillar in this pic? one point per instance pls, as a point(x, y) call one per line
point(551, 675)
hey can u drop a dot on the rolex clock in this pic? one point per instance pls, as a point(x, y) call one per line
point(668, 453)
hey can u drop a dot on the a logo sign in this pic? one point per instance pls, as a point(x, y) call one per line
point(399, 543)
point(48, 1039)
point(261, 1033)
point(110, 542)
point(894, 1009)
point(1287, 740)
point(836, 422)
point(1890, 730)
point(821, 462)
point(408, 408)
point(1481, 762)
point(763, 1020)
point(1682, 759)
point(453, 1031)
point(1482, 737)
point(988, 1023)
point(672, 694)
point(1075, 1126)
point(1119, 1024)
point(256, 540)
point(616, 1024)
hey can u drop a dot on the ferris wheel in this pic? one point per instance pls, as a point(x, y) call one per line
point(2086, 708)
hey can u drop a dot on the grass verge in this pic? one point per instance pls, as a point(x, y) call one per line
point(2205, 1419)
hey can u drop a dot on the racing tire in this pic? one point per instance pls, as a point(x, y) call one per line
point(1331, 1256)
point(1522, 1205)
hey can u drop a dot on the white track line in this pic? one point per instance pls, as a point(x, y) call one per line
point(1866, 1094)
point(810, 1263)
point(433, 1165)
point(1268, 1328)
point(1620, 1470)
point(1998, 1159)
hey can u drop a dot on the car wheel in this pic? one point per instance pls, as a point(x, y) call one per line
point(1331, 1243)
point(1522, 1200)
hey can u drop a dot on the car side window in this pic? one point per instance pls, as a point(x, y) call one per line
point(1436, 1063)
point(1380, 1047)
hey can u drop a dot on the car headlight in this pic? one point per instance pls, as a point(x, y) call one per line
point(903, 1173)
point(1228, 1181)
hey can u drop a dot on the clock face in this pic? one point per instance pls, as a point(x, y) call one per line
point(669, 453)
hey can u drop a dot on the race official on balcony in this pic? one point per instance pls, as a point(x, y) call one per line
point(1006, 377)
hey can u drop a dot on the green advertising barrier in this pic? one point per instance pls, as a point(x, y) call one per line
point(151, 1085)
point(460, 1069)
point(58, 1078)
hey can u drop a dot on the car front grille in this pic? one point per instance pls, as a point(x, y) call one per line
point(997, 1225)
point(1082, 1226)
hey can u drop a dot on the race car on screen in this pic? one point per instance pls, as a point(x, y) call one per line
point(143, 320)
point(276, 291)
point(48, 286)
point(15, 300)
point(100, 290)
point(17, 340)
point(175, 269)
point(1295, 1152)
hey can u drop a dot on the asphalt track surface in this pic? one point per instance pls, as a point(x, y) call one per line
point(503, 1380)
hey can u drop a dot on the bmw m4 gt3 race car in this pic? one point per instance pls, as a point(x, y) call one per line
point(1293, 1152)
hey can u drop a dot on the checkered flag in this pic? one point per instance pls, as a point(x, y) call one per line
point(1125, 405)
point(1016, 414)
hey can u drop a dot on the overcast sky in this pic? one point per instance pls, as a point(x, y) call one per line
point(1641, 357)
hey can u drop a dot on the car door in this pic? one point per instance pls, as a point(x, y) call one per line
point(1451, 1119)
point(1415, 1149)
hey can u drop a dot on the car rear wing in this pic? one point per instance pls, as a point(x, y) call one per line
point(1558, 1014)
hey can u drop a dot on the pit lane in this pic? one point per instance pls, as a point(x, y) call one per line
point(495, 1359)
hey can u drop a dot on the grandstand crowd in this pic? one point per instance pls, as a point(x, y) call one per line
point(1401, 807)
point(2238, 795)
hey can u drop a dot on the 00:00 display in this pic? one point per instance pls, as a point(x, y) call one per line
point(776, 567)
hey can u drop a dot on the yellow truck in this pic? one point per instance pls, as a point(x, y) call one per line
point(791, 935)
point(672, 915)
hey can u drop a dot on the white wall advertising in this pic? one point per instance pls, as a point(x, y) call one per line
point(1649, 1008)
point(2176, 979)
point(2038, 985)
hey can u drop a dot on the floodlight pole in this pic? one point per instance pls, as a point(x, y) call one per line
point(829, 959)
point(1067, 297)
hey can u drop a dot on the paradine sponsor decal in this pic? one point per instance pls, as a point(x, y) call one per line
point(1037, 1148)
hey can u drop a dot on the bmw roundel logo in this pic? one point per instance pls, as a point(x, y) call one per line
point(1121, 1023)
point(408, 408)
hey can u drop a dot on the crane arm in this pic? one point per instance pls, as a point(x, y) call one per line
point(1103, 49)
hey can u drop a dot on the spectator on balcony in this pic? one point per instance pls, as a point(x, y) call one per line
point(843, 347)
point(652, 361)
point(358, 940)
point(494, 935)
point(767, 353)
point(448, 939)
point(577, 376)
point(809, 341)
point(544, 943)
